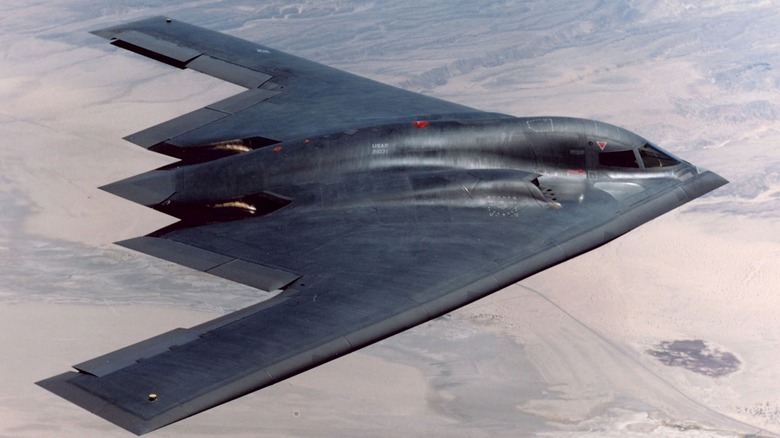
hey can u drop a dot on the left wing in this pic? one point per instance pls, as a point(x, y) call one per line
point(287, 96)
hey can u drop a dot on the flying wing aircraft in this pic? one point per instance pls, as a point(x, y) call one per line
point(373, 209)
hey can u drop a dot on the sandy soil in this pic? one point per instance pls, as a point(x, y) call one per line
point(705, 279)
point(563, 353)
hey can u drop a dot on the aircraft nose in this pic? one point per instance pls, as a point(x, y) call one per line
point(149, 188)
point(703, 181)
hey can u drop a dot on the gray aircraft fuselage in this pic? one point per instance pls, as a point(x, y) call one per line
point(548, 160)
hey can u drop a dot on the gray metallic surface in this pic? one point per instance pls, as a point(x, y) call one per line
point(371, 221)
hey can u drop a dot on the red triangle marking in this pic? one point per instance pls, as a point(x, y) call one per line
point(602, 144)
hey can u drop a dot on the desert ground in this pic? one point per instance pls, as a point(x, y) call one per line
point(670, 330)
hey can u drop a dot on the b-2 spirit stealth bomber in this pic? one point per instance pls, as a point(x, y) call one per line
point(371, 208)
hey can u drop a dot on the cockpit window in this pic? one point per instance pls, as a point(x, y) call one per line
point(652, 157)
point(618, 159)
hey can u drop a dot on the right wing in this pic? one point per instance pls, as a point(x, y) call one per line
point(352, 276)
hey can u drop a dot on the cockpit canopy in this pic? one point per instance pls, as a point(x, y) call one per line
point(645, 157)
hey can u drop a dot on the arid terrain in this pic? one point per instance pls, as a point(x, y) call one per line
point(670, 330)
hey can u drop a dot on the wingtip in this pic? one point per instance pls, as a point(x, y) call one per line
point(62, 385)
point(109, 32)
